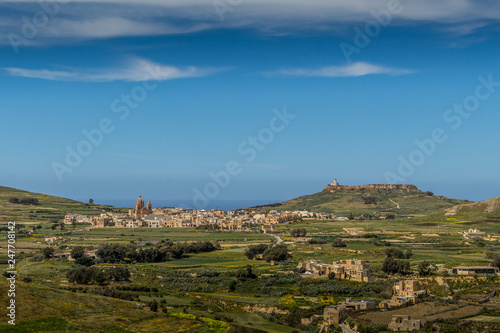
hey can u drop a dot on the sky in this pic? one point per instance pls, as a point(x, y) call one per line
point(248, 99)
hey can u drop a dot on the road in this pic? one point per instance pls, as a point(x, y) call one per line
point(346, 329)
point(278, 240)
point(395, 203)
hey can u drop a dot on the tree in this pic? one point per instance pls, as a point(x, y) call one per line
point(254, 250)
point(14, 200)
point(392, 266)
point(53, 226)
point(370, 200)
point(331, 276)
point(245, 273)
point(48, 252)
point(398, 254)
point(276, 253)
point(426, 268)
point(85, 261)
point(496, 262)
point(61, 226)
point(77, 252)
point(153, 305)
point(120, 273)
point(298, 232)
point(232, 285)
point(91, 201)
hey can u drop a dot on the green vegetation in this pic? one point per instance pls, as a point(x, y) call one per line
point(377, 202)
point(35, 207)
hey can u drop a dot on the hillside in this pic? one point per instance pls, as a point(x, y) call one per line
point(376, 199)
point(49, 208)
point(487, 210)
point(42, 309)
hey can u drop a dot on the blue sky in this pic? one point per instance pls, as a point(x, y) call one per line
point(202, 77)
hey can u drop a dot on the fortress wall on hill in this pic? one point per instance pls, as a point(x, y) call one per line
point(404, 187)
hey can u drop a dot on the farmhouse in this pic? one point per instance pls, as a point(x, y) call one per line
point(333, 315)
point(361, 304)
point(404, 323)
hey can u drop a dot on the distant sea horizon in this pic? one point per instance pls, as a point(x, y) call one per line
point(229, 204)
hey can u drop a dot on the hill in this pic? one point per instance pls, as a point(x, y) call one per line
point(374, 199)
point(42, 309)
point(487, 210)
point(48, 208)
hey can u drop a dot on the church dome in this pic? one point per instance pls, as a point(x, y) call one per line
point(139, 201)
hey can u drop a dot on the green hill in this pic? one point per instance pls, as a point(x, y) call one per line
point(488, 210)
point(376, 200)
point(49, 208)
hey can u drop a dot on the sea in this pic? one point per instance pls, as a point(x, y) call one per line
point(225, 205)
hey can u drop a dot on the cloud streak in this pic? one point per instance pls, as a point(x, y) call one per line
point(352, 70)
point(133, 71)
point(98, 19)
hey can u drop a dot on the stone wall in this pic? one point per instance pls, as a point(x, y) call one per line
point(401, 187)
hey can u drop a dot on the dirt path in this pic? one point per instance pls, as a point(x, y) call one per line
point(397, 205)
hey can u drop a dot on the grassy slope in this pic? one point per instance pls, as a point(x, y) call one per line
point(49, 208)
point(45, 309)
point(347, 202)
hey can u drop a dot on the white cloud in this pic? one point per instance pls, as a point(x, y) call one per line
point(91, 19)
point(134, 70)
point(351, 70)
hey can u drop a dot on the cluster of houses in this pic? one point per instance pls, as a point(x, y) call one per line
point(174, 217)
point(407, 290)
point(352, 269)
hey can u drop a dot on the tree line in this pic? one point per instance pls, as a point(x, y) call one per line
point(130, 253)
point(23, 201)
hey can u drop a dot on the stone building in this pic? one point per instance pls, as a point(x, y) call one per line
point(404, 323)
point(333, 315)
point(361, 304)
point(101, 221)
point(355, 270)
point(141, 211)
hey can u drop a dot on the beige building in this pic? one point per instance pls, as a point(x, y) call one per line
point(394, 302)
point(101, 221)
point(333, 315)
point(355, 270)
point(404, 323)
point(361, 304)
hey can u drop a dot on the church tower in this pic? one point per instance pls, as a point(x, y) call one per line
point(139, 204)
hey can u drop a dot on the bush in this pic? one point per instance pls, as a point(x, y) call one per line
point(339, 243)
point(298, 232)
point(48, 252)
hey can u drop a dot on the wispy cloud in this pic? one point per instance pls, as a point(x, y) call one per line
point(351, 70)
point(133, 70)
point(99, 19)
